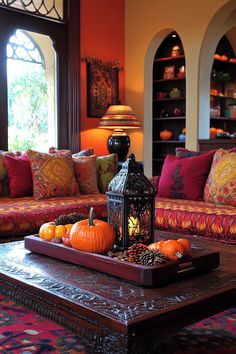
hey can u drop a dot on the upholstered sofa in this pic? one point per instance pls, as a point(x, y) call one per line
point(212, 212)
point(39, 187)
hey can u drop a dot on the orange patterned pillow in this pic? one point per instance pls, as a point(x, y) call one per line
point(86, 174)
point(220, 187)
point(53, 175)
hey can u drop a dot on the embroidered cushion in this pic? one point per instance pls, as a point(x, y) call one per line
point(184, 178)
point(221, 183)
point(106, 170)
point(53, 175)
point(182, 152)
point(86, 174)
point(85, 152)
point(19, 175)
point(53, 150)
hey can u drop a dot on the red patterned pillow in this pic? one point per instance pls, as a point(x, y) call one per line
point(221, 183)
point(4, 184)
point(53, 175)
point(86, 174)
point(85, 152)
point(184, 178)
point(19, 175)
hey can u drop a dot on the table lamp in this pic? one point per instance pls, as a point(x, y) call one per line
point(119, 117)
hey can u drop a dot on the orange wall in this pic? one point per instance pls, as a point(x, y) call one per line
point(102, 37)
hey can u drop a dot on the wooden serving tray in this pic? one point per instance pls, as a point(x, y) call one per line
point(150, 276)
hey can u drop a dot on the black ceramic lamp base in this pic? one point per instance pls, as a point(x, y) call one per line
point(119, 144)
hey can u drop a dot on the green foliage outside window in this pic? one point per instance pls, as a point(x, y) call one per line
point(28, 110)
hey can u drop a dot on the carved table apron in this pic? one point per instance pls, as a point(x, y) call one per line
point(113, 315)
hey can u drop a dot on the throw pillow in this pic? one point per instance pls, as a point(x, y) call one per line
point(85, 152)
point(86, 175)
point(53, 150)
point(106, 169)
point(4, 185)
point(19, 175)
point(182, 152)
point(184, 178)
point(53, 175)
point(221, 183)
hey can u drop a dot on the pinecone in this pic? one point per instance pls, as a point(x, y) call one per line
point(151, 257)
point(135, 252)
point(62, 220)
point(74, 217)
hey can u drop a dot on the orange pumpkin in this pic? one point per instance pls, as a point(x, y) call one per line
point(47, 231)
point(213, 132)
point(172, 249)
point(186, 245)
point(224, 57)
point(155, 246)
point(217, 56)
point(92, 235)
point(219, 131)
point(166, 134)
point(50, 230)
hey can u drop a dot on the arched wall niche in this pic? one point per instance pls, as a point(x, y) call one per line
point(155, 43)
point(223, 23)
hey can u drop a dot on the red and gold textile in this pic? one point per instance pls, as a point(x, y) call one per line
point(24, 216)
point(213, 221)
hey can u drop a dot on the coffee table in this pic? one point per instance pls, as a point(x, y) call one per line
point(114, 315)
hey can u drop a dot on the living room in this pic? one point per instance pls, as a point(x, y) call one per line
point(127, 34)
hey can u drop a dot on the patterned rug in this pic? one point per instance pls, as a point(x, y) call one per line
point(23, 331)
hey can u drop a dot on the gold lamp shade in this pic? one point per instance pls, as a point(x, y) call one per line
point(119, 117)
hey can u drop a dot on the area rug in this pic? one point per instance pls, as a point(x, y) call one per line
point(23, 331)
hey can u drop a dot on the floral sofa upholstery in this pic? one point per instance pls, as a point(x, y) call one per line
point(196, 194)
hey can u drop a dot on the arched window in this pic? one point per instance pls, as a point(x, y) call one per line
point(31, 92)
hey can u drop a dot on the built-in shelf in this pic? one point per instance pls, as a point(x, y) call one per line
point(169, 118)
point(168, 142)
point(169, 99)
point(164, 109)
point(169, 80)
point(170, 58)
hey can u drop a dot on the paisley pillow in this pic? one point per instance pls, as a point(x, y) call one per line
point(86, 174)
point(220, 187)
point(53, 175)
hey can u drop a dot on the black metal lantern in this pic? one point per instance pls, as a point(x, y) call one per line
point(131, 199)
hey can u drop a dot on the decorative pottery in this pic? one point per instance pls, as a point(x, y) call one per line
point(166, 134)
point(181, 137)
point(175, 93)
point(213, 132)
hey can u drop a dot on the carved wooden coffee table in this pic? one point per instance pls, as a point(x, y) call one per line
point(114, 315)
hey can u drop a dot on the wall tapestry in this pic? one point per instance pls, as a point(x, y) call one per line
point(102, 87)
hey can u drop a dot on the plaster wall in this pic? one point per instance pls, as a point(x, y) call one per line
point(102, 37)
point(200, 25)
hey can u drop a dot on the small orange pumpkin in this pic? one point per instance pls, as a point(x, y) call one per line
point(186, 245)
point(49, 230)
point(155, 246)
point(166, 134)
point(213, 132)
point(92, 235)
point(172, 249)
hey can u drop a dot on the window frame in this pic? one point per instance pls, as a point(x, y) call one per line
point(9, 22)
